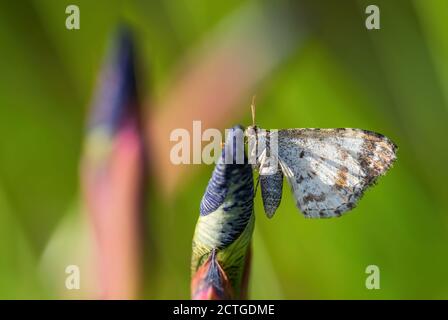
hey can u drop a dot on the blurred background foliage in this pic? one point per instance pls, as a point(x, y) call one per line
point(328, 71)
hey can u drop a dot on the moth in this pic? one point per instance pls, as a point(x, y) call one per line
point(328, 170)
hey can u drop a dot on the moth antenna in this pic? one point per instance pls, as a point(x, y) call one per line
point(252, 107)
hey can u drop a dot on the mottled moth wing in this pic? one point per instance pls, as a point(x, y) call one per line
point(329, 169)
point(271, 192)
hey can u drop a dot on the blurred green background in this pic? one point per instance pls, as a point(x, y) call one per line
point(332, 73)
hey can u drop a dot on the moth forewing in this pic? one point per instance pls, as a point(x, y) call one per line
point(328, 169)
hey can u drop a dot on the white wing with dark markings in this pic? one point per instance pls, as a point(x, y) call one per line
point(329, 169)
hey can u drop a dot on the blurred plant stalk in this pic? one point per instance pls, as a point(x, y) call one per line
point(219, 75)
point(113, 173)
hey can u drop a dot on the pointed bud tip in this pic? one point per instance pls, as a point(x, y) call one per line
point(210, 282)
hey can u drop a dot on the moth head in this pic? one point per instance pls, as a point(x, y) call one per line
point(251, 131)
